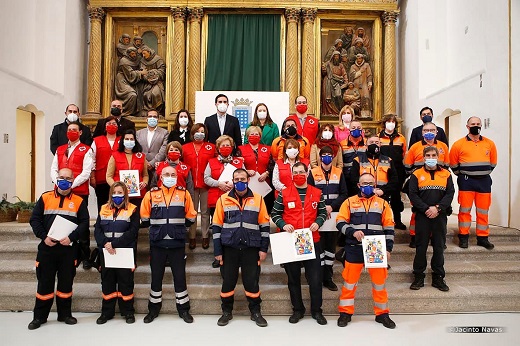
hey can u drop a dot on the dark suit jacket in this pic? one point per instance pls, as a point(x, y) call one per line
point(59, 136)
point(231, 128)
point(416, 136)
point(124, 124)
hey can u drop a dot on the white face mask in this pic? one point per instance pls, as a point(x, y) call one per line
point(326, 134)
point(71, 117)
point(169, 181)
point(347, 118)
point(222, 107)
point(261, 115)
point(390, 126)
point(183, 121)
point(292, 153)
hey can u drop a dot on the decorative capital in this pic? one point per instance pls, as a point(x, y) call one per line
point(195, 14)
point(390, 18)
point(179, 13)
point(292, 14)
point(309, 15)
point(95, 13)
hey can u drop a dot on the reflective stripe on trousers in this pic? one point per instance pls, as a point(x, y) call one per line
point(482, 203)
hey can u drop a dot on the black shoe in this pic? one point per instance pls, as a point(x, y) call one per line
point(259, 319)
point(400, 225)
point(388, 266)
point(330, 285)
point(417, 283)
point(320, 318)
point(103, 319)
point(484, 242)
point(87, 265)
point(340, 256)
point(130, 319)
point(296, 317)
point(440, 284)
point(385, 320)
point(215, 264)
point(150, 317)
point(68, 320)
point(412, 242)
point(463, 243)
point(225, 318)
point(185, 315)
point(35, 324)
point(344, 319)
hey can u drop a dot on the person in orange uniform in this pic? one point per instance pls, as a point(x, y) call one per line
point(196, 156)
point(414, 159)
point(360, 215)
point(351, 147)
point(241, 239)
point(258, 159)
point(169, 211)
point(173, 158)
point(472, 159)
point(393, 145)
point(306, 125)
point(282, 172)
point(289, 132)
point(102, 148)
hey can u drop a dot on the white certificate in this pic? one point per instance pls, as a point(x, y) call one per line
point(61, 228)
point(374, 251)
point(330, 224)
point(291, 247)
point(260, 187)
point(227, 174)
point(130, 177)
point(123, 258)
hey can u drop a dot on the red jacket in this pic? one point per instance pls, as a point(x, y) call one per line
point(292, 208)
point(310, 127)
point(198, 162)
point(285, 172)
point(103, 154)
point(138, 160)
point(75, 163)
point(217, 168)
point(251, 162)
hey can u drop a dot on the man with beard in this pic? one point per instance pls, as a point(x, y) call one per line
point(346, 37)
point(138, 44)
point(338, 46)
point(154, 75)
point(127, 80)
point(123, 45)
point(335, 79)
point(361, 75)
point(357, 48)
point(360, 33)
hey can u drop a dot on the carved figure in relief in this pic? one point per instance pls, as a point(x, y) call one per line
point(123, 45)
point(338, 46)
point(360, 33)
point(335, 79)
point(357, 48)
point(153, 76)
point(352, 98)
point(346, 37)
point(361, 75)
point(127, 81)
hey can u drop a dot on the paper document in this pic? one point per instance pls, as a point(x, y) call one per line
point(123, 258)
point(292, 247)
point(227, 174)
point(374, 251)
point(330, 224)
point(61, 228)
point(130, 177)
point(260, 187)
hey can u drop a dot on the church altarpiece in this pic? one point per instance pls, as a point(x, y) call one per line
point(164, 66)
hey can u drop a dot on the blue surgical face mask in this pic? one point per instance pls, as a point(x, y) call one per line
point(427, 119)
point(169, 181)
point(356, 133)
point(129, 144)
point(118, 199)
point(429, 136)
point(326, 159)
point(240, 186)
point(152, 122)
point(367, 190)
point(64, 184)
point(430, 162)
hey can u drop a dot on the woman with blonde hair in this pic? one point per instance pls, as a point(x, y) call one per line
point(342, 130)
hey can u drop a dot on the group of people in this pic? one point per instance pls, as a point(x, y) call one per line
point(314, 171)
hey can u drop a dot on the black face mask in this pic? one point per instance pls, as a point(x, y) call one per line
point(115, 111)
point(372, 150)
point(290, 131)
point(474, 130)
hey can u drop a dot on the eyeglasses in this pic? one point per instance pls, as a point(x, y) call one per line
point(366, 184)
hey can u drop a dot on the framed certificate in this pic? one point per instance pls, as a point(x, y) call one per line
point(130, 178)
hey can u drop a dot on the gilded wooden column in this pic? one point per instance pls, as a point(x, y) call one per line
point(292, 15)
point(308, 55)
point(179, 59)
point(96, 15)
point(194, 68)
point(389, 62)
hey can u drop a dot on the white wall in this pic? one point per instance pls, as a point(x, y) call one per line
point(515, 113)
point(446, 73)
point(42, 64)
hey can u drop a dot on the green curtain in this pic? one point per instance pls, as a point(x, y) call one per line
point(243, 52)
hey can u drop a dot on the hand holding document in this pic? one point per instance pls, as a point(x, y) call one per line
point(61, 228)
point(123, 258)
point(260, 187)
point(374, 251)
point(227, 174)
point(330, 224)
point(292, 247)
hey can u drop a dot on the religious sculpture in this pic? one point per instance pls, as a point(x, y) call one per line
point(357, 48)
point(361, 75)
point(153, 78)
point(352, 98)
point(138, 44)
point(335, 79)
point(123, 45)
point(127, 82)
point(346, 37)
point(360, 33)
point(338, 46)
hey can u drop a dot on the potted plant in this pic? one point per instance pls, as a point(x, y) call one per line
point(25, 210)
point(8, 211)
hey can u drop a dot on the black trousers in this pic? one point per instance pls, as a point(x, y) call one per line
point(269, 201)
point(424, 228)
point(314, 276)
point(177, 259)
point(249, 260)
point(328, 244)
point(59, 261)
point(397, 205)
point(102, 191)
point(117, 285)
point(84, 241)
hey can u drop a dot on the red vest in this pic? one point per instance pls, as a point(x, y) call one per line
point(103, 155)
point(75, 163)
point(138, 160)
point(217, 168)
point(250, 161)
point(292, 208)
point(182, 173)
point(285, 172)
point(198, 163)
point(310, 127)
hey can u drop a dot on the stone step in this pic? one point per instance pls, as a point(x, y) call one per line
point(205, 300)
